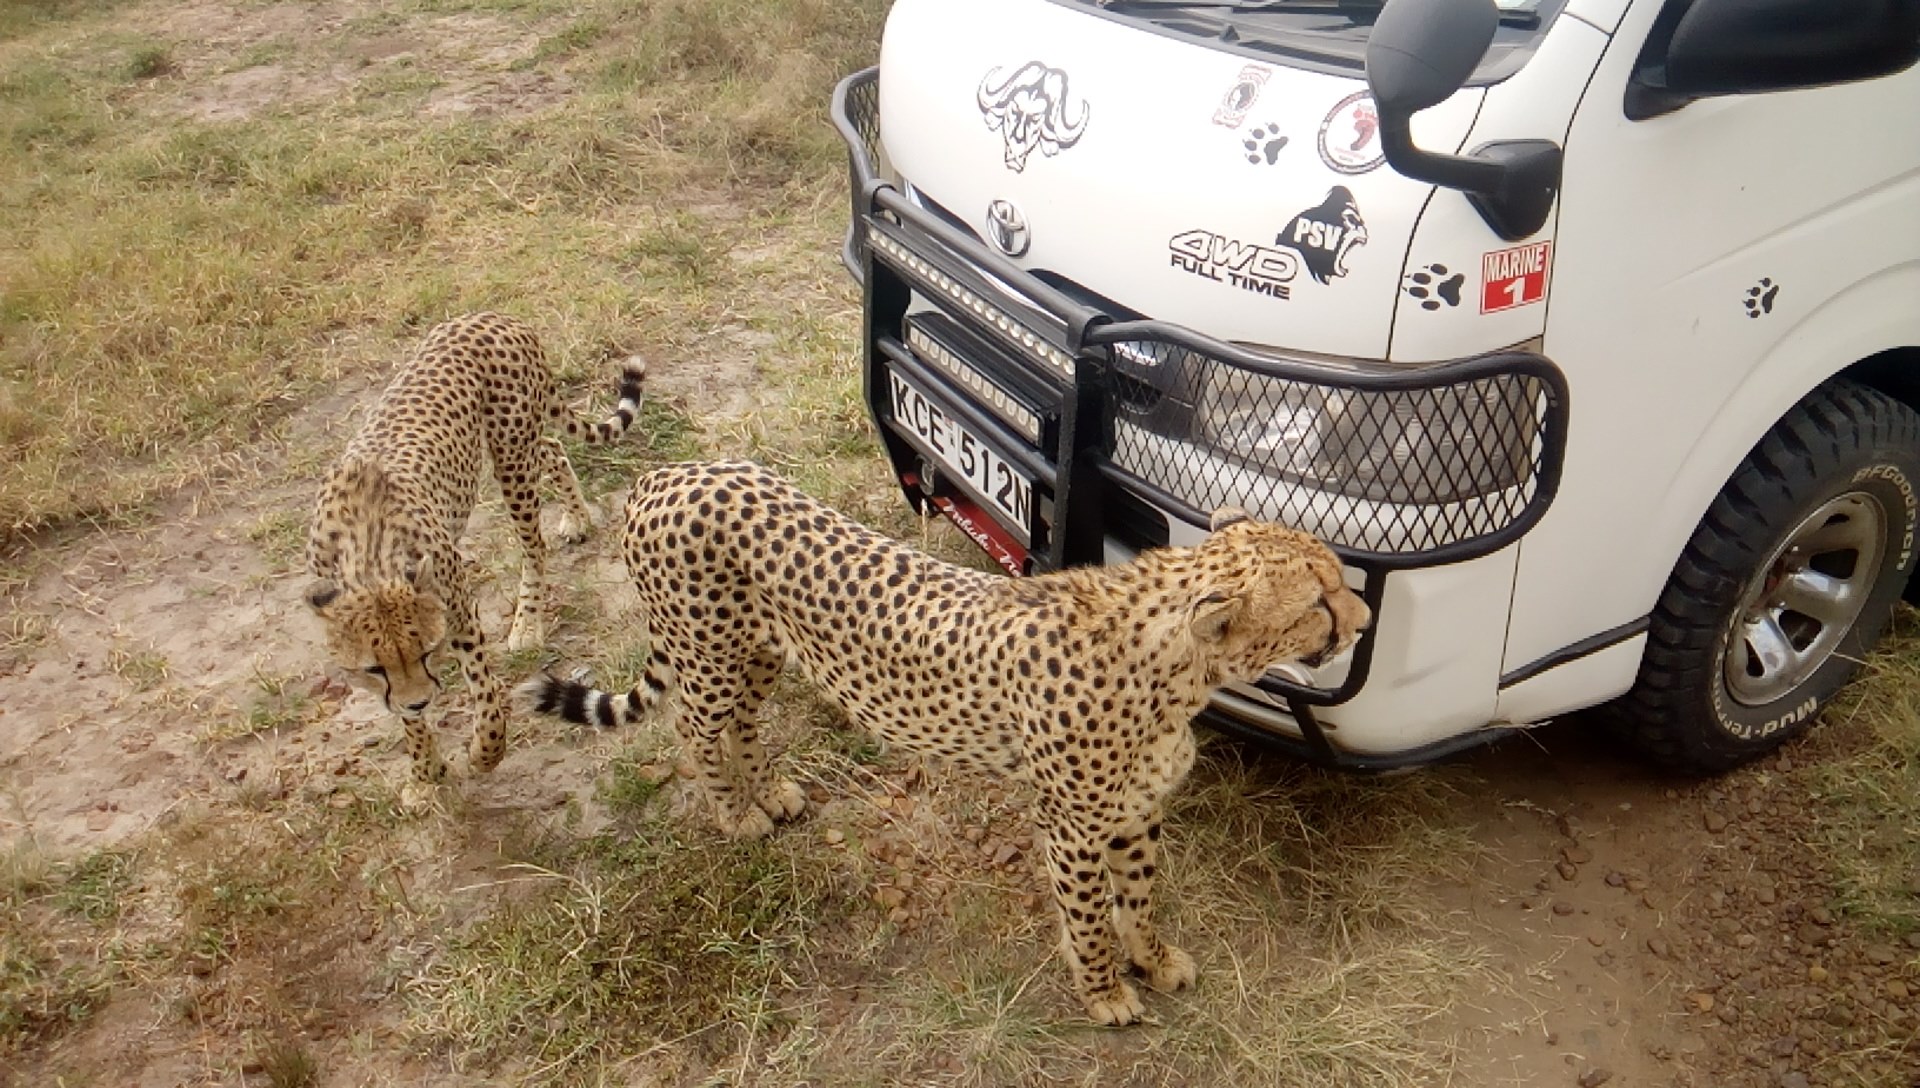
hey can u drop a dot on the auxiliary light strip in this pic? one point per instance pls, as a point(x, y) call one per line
point(984, 391)
point(970, 301)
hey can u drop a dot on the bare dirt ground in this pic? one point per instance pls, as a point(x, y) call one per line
point(215, 884)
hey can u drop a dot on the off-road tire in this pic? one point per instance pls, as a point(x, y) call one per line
point(1842, 438)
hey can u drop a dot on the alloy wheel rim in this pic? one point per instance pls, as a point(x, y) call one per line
point(1808, 595)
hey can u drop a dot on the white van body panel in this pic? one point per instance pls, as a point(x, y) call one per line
point(1673, 232)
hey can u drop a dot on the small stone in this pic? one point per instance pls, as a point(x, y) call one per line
point(899, 916)
point(818, 795)
point(1553, 1038)
point(251, 1066)
point(99, 821)
point(835, 836)
point(1604, 959)
point(1562, 908)
point(1783, 1047)
point(1595, 1077)
point(1659, 947)
point(1816, 973)
point(1701, 1002)
point(1616, 879)
point(1529, 903)
point(1636, 885)
point(1596, 940)
point(1006, 855)
point(974, 835)
point(889, 897)
point(1897, 990)
point(1576, 855)
point(903, 806)
point(1746, 940)
point(1716, 823)
point(1882, 955)
point(1727, 1014)
point(1567, 870)
point(1913, 940)
point(1820, 916)
point(1764, 896)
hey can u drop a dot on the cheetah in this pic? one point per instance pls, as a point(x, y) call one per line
point(390, 586)
point(1083, 681)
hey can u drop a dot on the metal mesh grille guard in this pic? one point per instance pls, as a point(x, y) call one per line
point(1394, 466)
point(1388, 463)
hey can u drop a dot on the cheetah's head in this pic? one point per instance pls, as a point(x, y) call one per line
point(382, 636)
point(1269, 595)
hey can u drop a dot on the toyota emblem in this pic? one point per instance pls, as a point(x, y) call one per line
point(1009, 228)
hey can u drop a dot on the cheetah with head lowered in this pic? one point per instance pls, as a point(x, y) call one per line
point(390, 584)
point(1084, 681)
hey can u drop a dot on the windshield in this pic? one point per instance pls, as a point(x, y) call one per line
point(1323, 35)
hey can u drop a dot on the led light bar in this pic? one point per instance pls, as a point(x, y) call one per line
point(984, 390)
point(971, 302)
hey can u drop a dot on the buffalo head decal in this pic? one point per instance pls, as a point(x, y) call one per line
point(1029, 110)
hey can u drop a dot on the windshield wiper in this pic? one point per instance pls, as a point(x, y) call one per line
point(1358, 10)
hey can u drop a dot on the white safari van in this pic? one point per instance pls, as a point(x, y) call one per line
point(1587, 331)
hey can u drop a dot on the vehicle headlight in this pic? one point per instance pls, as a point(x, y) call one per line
point(1417, 446)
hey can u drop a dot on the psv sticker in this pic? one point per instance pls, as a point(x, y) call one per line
point(1514, 277)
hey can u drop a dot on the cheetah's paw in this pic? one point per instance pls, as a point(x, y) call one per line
point(529, 632)
point(783, 800)
point(573, 528)
point(1116, 1007)
point(751, 824)
point(1175, 971)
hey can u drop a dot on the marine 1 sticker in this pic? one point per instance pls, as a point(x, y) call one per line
point(1324, 235)
point(1350, 135)
point(1241, 96)
point(1514, 277)
point(1029, 109)
point(1246, 265)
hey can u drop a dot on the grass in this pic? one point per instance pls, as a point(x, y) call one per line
point(1867, 797)
point(617, 944)
point(207, 266)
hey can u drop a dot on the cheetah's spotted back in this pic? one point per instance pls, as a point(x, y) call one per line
point(1084, 681)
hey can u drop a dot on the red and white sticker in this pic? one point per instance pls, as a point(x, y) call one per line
point(1514, 277)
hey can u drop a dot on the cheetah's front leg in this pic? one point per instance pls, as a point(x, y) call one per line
point(1130, 861)
point(1078, 866)
point(488, 745)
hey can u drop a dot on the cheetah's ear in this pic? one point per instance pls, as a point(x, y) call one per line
point(321, 594)
point(1214, 614)
point(1228, 515)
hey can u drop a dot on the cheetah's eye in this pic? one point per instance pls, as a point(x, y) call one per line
point(375, 670)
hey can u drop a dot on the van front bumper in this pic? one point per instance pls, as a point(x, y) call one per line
point(1055, 432)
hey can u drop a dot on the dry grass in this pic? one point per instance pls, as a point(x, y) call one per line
point(207, 269)
point(1868, 795)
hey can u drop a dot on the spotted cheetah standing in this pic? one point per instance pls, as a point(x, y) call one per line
point(1083, 681)
point(390, 584)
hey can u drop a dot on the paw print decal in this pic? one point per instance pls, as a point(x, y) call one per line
point(1760, 297)
point(1263, 143)
point(1433, 285)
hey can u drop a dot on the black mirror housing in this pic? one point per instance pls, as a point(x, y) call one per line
point(1419, 54)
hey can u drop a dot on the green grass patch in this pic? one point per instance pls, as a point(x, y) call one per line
point(614, 945)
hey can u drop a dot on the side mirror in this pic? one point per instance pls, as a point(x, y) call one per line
point(1419, 53)
point(1718, 47)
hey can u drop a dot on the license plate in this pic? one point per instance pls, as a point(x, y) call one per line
point(1004, 490)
